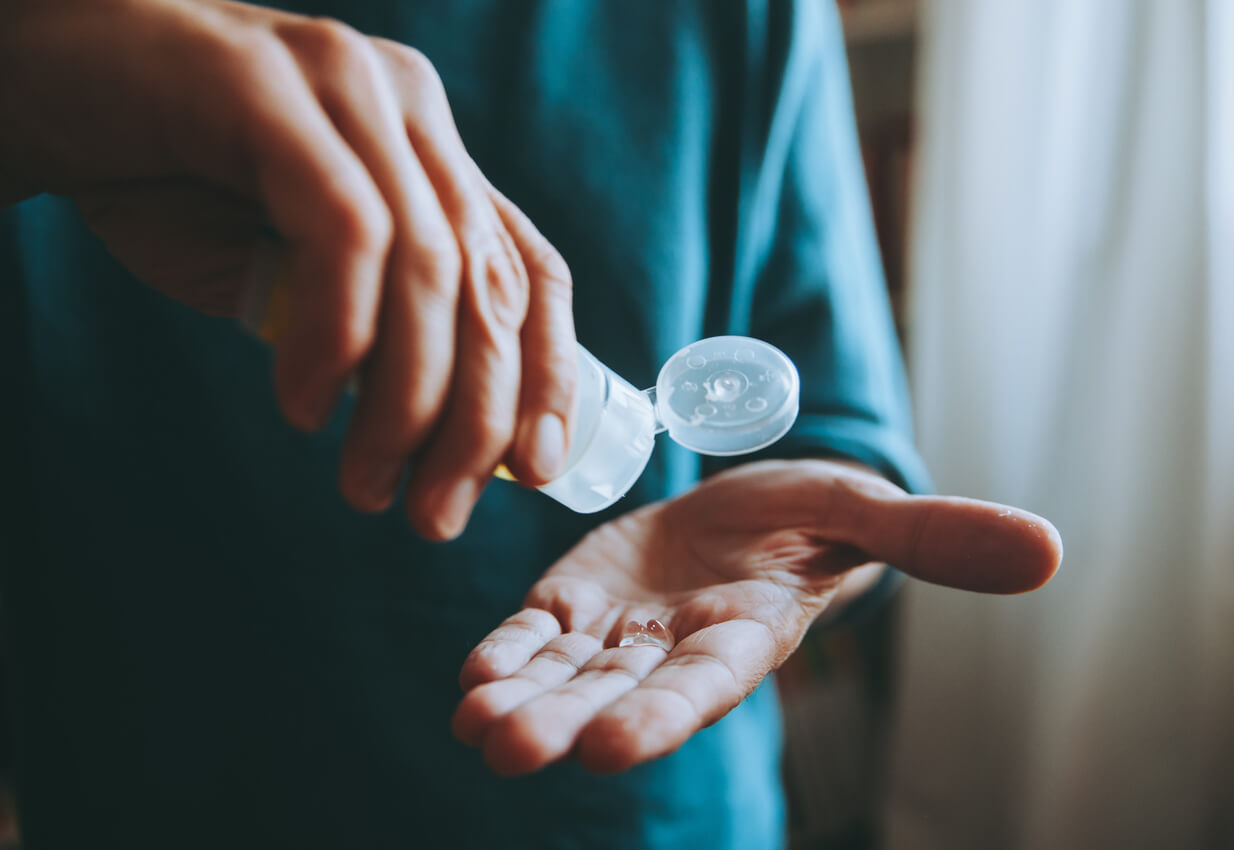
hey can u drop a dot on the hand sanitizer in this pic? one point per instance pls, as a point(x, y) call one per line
point(725, 395)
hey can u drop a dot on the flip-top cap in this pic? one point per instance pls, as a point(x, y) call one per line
point(728, 395)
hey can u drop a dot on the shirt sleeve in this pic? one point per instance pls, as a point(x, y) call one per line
point(807, 273)
point(807, 276)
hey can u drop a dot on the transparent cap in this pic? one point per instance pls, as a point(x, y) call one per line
point(728, 395)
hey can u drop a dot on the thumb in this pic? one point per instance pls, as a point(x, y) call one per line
point(952, 541)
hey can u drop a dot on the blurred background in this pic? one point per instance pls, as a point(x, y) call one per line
point(1053, 188)
point(1053, 185)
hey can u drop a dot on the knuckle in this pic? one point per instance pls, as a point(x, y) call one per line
point(412, 65)
point(362, 225)
point(437, 266)
point(332, 47)
point(347, 343)
point(488, 430)
point(552, 272)
point(418, 64)
point(249, 60)
point(499, 283)
point(411, 417)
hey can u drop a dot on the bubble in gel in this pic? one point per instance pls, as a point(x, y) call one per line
point(689, 387)
point(726, 386)
point(696, 361)
point(754, 405)
point(652, 633)
point(705, 410)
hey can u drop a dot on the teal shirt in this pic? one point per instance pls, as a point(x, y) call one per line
point(209, 649)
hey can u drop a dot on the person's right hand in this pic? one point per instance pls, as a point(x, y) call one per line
point(189, 132)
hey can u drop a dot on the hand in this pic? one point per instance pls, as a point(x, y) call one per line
point(187, 132)
point(737, 569)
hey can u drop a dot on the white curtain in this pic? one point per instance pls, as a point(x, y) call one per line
point(1072, 350)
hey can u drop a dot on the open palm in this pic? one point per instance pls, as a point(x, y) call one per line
point(737, 569)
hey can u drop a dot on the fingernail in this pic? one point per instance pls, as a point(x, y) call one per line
point(455, 508)
point(380, 479)
point(544, 446)
point(315, 412)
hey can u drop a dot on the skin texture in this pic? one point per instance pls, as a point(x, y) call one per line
point(207, 127)
point(737, 569)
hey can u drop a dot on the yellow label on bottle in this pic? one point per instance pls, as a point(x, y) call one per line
point(278, 311)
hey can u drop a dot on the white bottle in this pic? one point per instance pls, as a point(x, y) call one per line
point(725, 395)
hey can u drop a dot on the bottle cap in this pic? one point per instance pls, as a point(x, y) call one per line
point(728, 395)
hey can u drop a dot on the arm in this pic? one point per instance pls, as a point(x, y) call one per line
point(808, 276)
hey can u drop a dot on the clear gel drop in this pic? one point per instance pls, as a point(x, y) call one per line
point(651, 633)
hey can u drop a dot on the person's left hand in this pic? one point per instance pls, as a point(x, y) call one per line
point(737, 569)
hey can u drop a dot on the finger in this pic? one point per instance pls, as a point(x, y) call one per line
point(704, 678)
point(544, 728)
point(965, 543)
point(947, 540)
point(578, 604)
point(479, 420)
point(324, 204)
point(550, 355)
point(554, 664)
point(508, 647)
point(406, 376)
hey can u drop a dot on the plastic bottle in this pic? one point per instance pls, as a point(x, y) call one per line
point(725, 395)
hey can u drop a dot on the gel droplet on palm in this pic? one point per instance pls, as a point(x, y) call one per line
point(726, 395)
point(651, 633)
